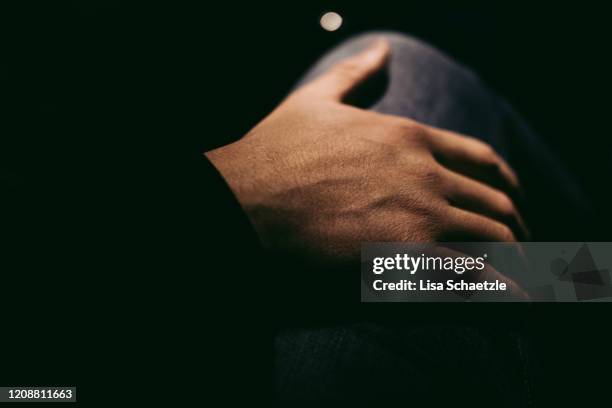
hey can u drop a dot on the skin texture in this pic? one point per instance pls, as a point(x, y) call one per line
point(318, 176)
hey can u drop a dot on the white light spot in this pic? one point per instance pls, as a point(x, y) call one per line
point(331, 21)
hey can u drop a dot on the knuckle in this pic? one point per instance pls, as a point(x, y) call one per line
point(431, 172)
point(437, 210)
point(410, 132)
point(427, 216)
point(416, 129)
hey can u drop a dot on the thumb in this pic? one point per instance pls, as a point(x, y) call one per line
point(350, 72)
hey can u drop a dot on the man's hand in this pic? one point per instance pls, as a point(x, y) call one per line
point(319, 177)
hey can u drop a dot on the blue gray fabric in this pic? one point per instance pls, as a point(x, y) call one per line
point(426, 85)
point(429, 359)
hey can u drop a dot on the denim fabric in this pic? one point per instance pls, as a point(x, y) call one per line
point(436, 361)
point(426, 85)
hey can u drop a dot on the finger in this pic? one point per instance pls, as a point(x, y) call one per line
point(475, 159)
point(348, 73)
point(474, 196)
point(464, 225)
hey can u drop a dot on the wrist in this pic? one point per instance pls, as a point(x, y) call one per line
point(231, 161)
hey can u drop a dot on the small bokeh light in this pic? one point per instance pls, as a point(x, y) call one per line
point(331, 21)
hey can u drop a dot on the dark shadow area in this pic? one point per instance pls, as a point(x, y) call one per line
point(104, 99)
point(370, 92)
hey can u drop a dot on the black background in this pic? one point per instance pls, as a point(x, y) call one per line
point(106, 95)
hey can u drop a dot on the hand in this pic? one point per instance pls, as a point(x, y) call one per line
point(318, 177)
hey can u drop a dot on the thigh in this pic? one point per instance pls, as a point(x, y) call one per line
point(424, 84)
point(383, 365)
